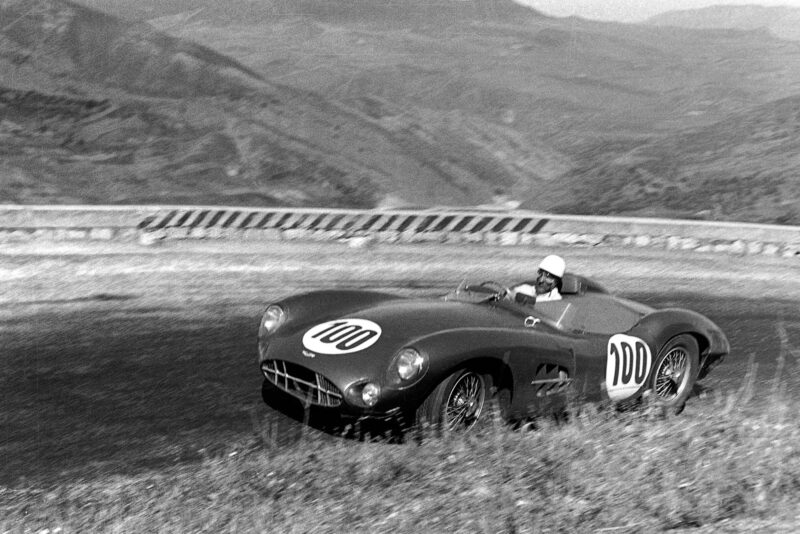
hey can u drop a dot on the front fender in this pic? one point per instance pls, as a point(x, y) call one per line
point(319, 306)
point(510, 355)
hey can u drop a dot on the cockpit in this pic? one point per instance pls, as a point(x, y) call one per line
point(585, 306)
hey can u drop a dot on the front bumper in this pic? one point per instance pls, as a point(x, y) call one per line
point(315, 391)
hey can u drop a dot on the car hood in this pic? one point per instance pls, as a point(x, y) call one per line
point(398, 323)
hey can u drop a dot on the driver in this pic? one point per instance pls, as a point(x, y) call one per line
point(547, 284)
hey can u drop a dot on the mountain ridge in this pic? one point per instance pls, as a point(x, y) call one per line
point(102, 48)
point(317, 111)
point(387, 12)
point(232, 132)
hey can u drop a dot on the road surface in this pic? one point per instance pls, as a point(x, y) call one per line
point(120, 358)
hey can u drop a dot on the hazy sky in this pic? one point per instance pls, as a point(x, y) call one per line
point(634, 10)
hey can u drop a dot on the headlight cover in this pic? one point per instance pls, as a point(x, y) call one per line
point(370, 393)
point(272, 319)
point(407, 366)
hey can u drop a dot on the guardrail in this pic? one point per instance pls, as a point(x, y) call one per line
point(149, 224)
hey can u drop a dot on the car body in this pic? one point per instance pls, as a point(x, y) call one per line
point(367, 354)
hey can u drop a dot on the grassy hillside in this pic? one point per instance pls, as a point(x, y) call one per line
point(357, 103)
point(596, 474)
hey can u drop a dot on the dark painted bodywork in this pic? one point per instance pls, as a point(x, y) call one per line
point(545, 354)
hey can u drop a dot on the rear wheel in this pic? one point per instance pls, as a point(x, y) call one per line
point(675, 372)
point(457, 404)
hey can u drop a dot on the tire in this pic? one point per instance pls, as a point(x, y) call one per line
point(457, 404)
point(675, 372)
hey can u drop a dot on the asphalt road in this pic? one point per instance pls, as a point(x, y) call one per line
point(117, 360)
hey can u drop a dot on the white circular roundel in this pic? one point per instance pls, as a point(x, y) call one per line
point(341, 336)
point(627, 367)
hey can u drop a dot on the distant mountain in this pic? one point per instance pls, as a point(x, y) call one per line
point(99, 110)
point(383, 13)
point(782, 21)
point(361, 104)
point(75, 41)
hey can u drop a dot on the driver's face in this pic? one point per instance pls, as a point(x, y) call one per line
point(545, 282)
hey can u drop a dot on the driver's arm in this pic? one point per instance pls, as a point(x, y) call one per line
point(524, 288)
point(523, 294)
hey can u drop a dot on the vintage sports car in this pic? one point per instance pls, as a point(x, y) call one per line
point(439, 361)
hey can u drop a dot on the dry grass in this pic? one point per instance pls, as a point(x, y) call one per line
point(729, 463)
point(729, 467)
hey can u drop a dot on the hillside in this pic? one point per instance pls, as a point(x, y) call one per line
point(358, 103)
point(781, 21)
point(99, 110)
point(746, 164)
point(386, 13)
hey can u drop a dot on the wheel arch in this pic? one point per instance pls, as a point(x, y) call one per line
point(703, 342)
point(664, 325)
point(496, 377)
point(498, 371)
point(494, 366)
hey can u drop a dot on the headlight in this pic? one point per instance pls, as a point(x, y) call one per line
point(370, 393)
point(273, 318)
point(408, 364)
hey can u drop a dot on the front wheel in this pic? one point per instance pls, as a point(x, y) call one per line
point(675, 372)
point(456, 404)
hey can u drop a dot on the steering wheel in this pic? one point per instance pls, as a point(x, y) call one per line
point(500, 291)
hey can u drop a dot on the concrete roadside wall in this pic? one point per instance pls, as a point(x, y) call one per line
point(150, 224)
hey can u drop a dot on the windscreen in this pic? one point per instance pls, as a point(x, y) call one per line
point(596, 313)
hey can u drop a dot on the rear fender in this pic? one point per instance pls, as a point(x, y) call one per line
point(662, 325)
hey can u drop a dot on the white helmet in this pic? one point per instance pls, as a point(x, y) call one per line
point(554, 265)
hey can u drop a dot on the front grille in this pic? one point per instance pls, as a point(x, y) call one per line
point(303, 383)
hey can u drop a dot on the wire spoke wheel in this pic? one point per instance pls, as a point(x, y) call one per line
point(671, 374)
point(675, 372)
point(465, 403)
point(457, 404)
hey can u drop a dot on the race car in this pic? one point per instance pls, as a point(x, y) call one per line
point(439, 361)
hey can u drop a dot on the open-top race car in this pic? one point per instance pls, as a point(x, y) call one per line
point(365, 354)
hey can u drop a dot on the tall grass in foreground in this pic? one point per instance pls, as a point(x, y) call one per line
point(724, 466)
